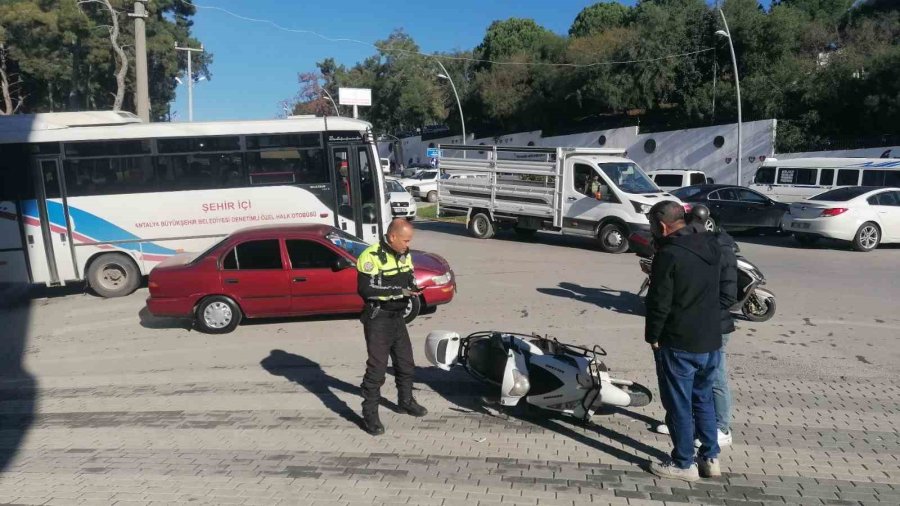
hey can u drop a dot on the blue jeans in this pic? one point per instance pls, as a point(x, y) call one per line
point(722, 392)
point(685, 389)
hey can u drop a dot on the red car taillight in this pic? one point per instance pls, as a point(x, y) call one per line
point(834, 211)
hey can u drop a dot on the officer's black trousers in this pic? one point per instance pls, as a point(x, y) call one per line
point(386, 335)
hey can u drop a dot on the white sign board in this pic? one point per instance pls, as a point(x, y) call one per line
point(355, 96)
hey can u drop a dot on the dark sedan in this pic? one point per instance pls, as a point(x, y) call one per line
point(735, 208)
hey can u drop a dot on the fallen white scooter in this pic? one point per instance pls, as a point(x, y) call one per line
point(550, 375)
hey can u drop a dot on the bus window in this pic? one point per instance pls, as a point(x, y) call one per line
point(892, 178)
point(848, 177)
point(342, 182)
point(107, 148)
point(765, 175)
point(200, 172)
point(191, 144)
point(108, 176)
point(287, 166)
point(797, 176)
point(284, 141)
point(873, 178)
point(367, 187)
point(826, 177)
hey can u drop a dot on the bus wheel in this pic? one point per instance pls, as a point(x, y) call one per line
point(113, 275)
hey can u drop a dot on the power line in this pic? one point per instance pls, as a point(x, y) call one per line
point(443, 57)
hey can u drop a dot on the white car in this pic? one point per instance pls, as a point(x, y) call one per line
point(864, 215)
point(427, 188)
point(403, 205)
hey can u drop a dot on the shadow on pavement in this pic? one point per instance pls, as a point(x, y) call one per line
point(18, 389)
point(607, 298)
point(148, 321)
point(312, 377)
point(472, 396)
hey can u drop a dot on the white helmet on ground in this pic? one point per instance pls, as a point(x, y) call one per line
point(442, 348)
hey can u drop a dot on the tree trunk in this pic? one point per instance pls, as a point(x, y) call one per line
point(121, 57)
point(7, 108)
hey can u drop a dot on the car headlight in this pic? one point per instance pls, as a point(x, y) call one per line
point(641, 208)
point(443, 279)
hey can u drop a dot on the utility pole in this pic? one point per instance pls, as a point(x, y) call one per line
point(737, 87)
point(190, 77)
point(142, 87)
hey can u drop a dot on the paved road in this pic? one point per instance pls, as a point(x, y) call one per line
point(101, 403)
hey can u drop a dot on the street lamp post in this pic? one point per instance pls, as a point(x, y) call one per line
point(190, 77)
point(737, 86)
point(446, 75)
point(328, 95)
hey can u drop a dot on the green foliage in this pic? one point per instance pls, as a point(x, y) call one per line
point(599, 18)
point(825, 69)
point(59, 57)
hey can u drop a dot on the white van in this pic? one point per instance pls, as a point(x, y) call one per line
point(669, 180)
point(590, 192)
point(801, 178)
point(385, 165)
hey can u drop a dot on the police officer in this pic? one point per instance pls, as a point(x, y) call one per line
point(385, 281)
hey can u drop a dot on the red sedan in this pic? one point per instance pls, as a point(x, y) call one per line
point(282, 270)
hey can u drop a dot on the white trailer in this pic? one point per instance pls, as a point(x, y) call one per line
point(575, 191)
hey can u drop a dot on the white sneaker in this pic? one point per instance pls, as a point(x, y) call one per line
point(669, 470)
point(709, 468)
point(661, 429)
point(725, 439)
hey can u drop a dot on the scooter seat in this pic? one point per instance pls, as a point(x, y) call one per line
point(487, 356)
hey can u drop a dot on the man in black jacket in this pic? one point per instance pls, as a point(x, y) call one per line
point(683, 326)
point(727, 300)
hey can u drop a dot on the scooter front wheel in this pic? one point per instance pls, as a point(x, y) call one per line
point(758, 309)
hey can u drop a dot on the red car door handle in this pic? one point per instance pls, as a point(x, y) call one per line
point(231, 281)
point(299, 280)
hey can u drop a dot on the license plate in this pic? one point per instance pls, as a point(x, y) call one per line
point(800, 225)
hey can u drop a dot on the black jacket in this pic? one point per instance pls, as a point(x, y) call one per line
point(683, 305)
point(727, 280)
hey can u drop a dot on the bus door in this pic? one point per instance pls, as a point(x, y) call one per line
point(50, 248)
point(356, 191)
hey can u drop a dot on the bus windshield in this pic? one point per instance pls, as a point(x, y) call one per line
point(629, 177)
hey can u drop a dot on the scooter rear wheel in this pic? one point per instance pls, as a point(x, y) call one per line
point(639, 394)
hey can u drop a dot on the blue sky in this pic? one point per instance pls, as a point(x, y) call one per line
point(256, 65)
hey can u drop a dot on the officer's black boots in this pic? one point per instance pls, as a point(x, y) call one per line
point(372, 423)
point(411, 407)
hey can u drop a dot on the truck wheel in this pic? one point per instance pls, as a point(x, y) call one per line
point(217, 315)
point(613, 238)
point(481, 226)
point(431, 197)
point(113, 275)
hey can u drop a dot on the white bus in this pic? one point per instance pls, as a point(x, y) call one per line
point(103, 197)
point(801, 178)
